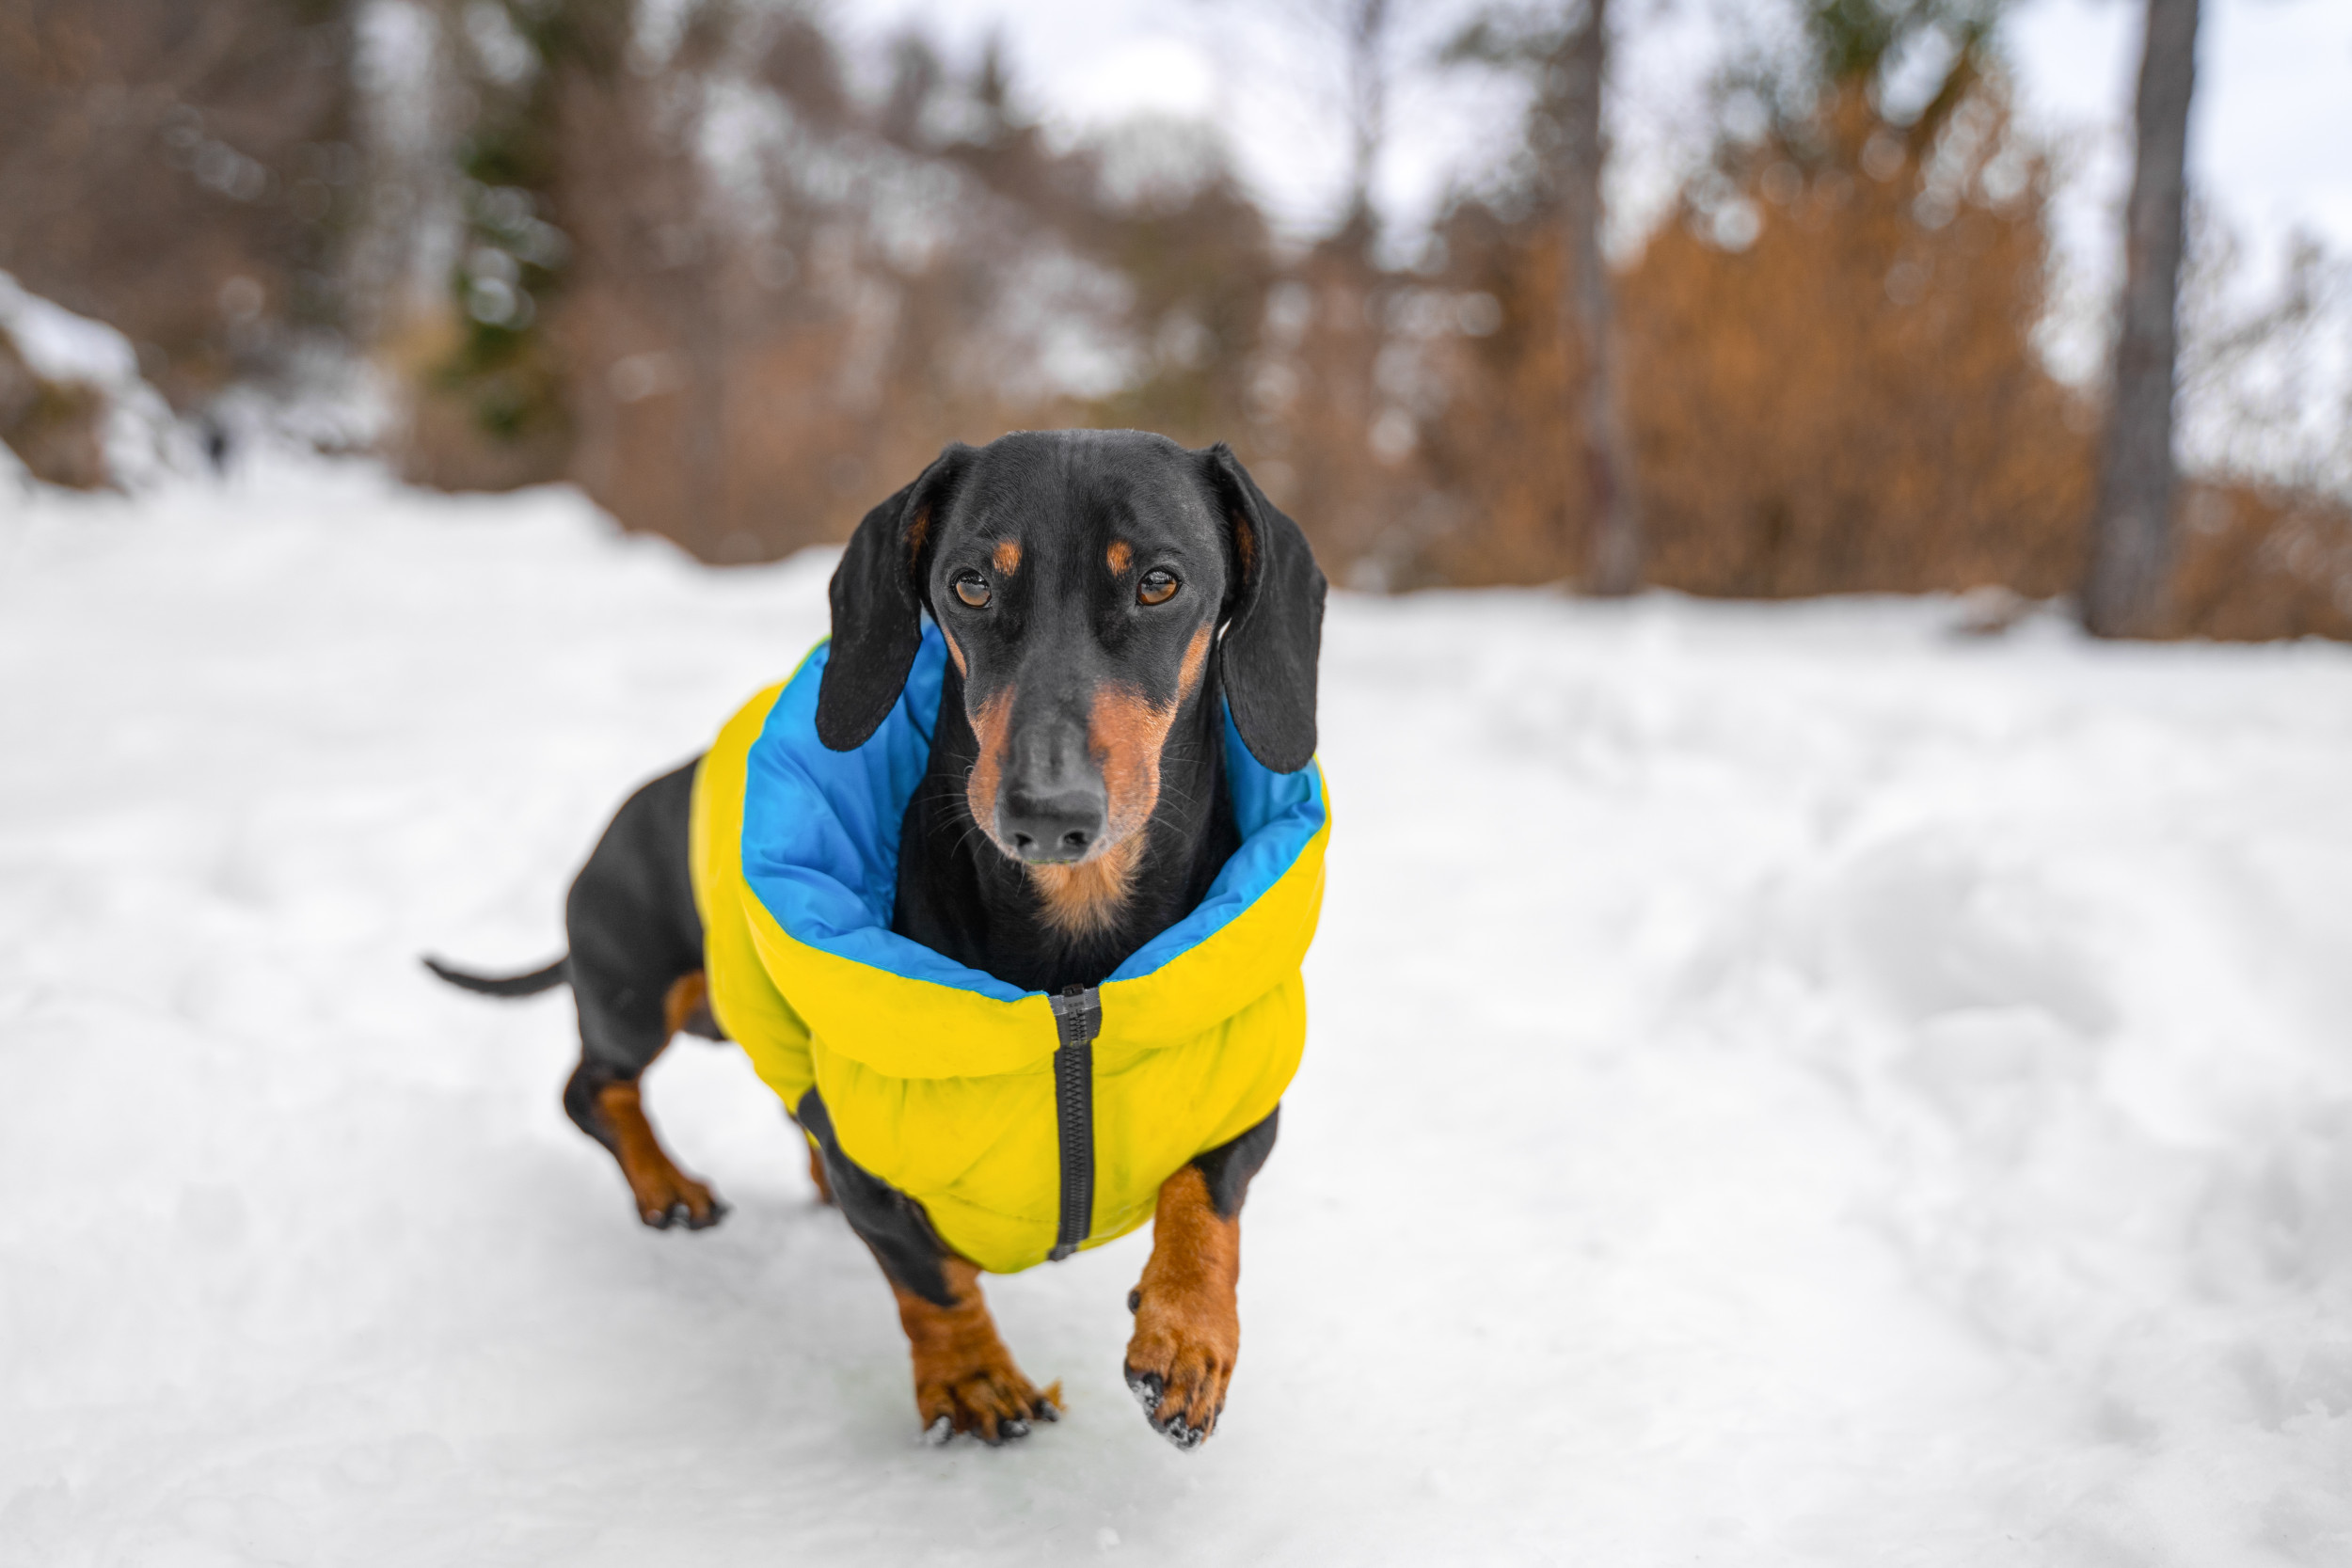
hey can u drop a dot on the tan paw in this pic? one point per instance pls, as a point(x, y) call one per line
point(1181, 1360)
point(964, 1378)
point(993, 1403)
point(679, 1200)
point(664, 1195)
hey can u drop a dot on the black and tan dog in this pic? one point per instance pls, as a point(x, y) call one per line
point(1105, 595)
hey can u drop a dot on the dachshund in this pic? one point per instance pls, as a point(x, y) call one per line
point(1106, 598)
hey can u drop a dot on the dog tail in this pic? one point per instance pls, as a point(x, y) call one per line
point(505, 985)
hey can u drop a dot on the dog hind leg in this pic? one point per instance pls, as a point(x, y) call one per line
point(636, 968)
point(604, 1100)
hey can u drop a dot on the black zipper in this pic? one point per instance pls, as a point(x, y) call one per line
point(1077, 1019)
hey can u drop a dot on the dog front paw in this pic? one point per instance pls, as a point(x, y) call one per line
point(1181, 1360)
point(964, 1377)
point(991, 1401)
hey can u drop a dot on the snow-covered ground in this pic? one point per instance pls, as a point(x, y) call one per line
point(1788, 1086)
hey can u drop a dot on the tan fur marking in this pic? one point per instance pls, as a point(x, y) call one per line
point(1007, 555)
point(1128, 733)
point(653, 1180)
point(816, 1174)
point(682, 1001)
point(1196, 660)
point(1120, 557)
point(917, 530)
point(955, 653)
point(990, 725)
point(1244, 545)
point(1079, 900)
point(1187, 1314)
point(963, 1374)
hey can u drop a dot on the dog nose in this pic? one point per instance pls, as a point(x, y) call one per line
point(1051, 828)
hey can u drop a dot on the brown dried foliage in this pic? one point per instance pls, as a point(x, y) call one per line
point(2254, 562)
point(56, 428)
point(1359, 503)
point(1850, 402)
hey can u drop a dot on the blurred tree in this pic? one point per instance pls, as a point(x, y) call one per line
point(1607, 461)
point(1197, 261)
point(2124, 592)
point(736, 304)
point(1156, 206)
point(493, 411)
point(1365, 25)
point(190, 174)
point(1348, 446)
point(1565, 51)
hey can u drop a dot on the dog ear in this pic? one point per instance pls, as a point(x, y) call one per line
point(1273, 628)
point(878, 608)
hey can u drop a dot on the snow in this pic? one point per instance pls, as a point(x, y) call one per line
point(144, 445)
point(61, 345)
point(1788, 1086)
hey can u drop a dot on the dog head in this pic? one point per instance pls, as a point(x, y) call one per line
point(1087, 584)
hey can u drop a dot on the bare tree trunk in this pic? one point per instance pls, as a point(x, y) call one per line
point(1587, 313)
point(2131, 543)
point(1366, 25)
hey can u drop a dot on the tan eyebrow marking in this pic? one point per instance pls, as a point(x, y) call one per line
point(1120, 557)
point(1008, 556)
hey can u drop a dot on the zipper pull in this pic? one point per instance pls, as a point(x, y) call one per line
point(1077, 1014)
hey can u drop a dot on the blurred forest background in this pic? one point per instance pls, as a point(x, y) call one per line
point(695, 259)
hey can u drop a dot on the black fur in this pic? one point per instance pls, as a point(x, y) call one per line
point(531, 984)
point(1273, 642)
point(634, 929)
point(878, 606)
point(1228, 1166)
point(892, 1225)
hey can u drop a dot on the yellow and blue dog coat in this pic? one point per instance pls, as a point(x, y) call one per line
point(958, 1089)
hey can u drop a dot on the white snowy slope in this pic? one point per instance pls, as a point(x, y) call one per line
point(1787, 1087)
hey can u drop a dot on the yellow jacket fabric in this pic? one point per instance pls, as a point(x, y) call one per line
point(939, 1078)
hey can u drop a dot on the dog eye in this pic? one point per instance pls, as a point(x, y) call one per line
point(1157, 587)
point(971, 589)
